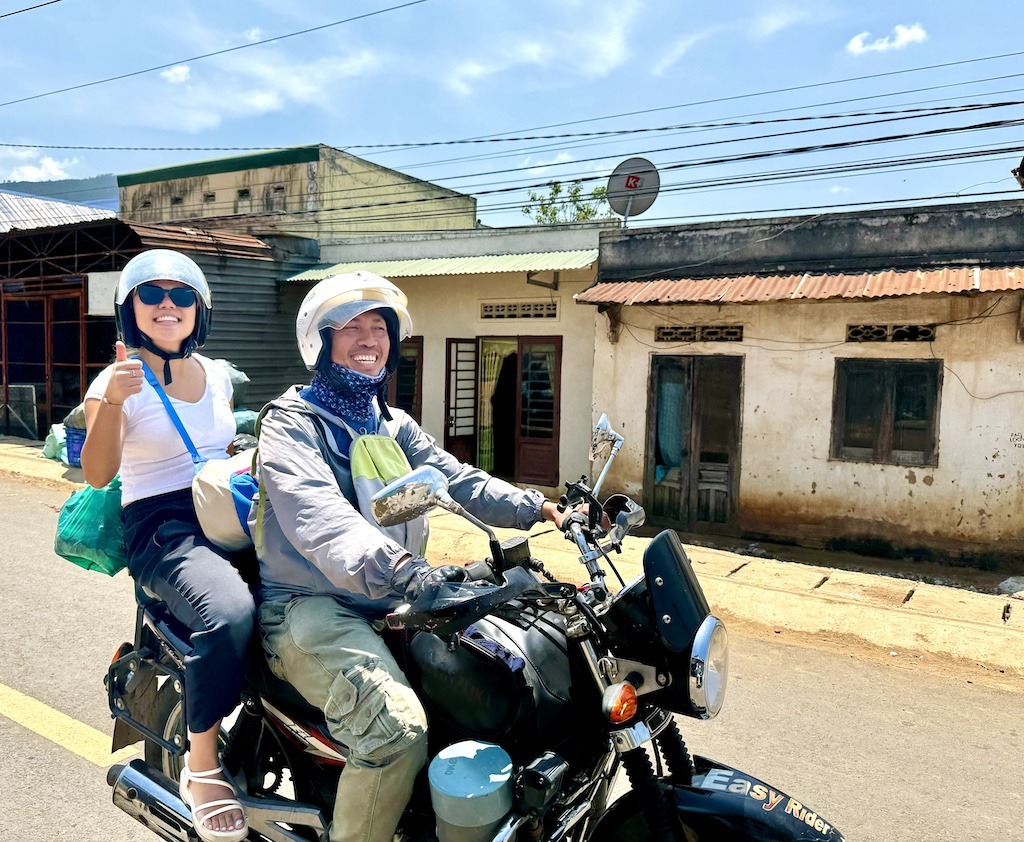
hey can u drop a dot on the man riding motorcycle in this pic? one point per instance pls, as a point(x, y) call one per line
point(328, 574)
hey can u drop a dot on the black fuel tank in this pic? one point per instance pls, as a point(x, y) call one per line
point(502, 680)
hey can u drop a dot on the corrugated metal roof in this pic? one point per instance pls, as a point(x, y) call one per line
point(546, 261)
point(205, 241)
point(19, 212)
point(754, 288)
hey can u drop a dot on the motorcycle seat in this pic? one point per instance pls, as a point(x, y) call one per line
point(159, 616)
point(259, 677)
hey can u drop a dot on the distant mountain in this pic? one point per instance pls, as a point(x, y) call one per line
point(98, 191)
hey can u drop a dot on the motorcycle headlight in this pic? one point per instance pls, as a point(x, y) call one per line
point(709, 668)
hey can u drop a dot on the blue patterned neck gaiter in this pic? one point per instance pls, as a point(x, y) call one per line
point(348, 394)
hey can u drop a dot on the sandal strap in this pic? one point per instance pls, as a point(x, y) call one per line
point(212, 809)
point(201, 777)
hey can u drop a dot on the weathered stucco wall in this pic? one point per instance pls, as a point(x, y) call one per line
point(449, 307)
point(789, 485)
point(321, 199)
point(358, 196)
point(217, 194)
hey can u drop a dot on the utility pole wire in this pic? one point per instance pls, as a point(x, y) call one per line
point(29, 9)
point(209, 55)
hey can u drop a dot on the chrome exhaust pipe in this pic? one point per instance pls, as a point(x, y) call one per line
point(152, 799)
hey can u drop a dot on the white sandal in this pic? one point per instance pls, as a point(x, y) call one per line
point(212, 808)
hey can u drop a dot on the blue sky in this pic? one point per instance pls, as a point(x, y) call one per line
point(657, 71)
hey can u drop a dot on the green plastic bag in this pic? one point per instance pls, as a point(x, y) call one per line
point(90, 529)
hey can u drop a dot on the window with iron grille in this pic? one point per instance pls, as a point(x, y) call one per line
point(886, 411)
point(405, 387)
point(698, 333)
point(890, 333)
point(276, 198)
point(540, 308)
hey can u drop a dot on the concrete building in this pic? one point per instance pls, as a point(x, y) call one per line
point(850, 380)
point(311, 191)
point(500, 368)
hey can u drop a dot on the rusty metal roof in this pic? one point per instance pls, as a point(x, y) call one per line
point(20, 212)
point(480, 265)
point(204, 241)
point(747, 289)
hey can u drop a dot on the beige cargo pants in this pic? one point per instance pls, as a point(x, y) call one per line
point(339, 663)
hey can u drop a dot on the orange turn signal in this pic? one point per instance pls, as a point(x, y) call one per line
point(121, 651)
point(619, 703)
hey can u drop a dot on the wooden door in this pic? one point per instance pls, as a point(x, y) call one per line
point(693, 446)
point(537, 428)
point(43, 360)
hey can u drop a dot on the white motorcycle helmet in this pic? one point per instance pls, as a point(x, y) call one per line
point(338, 299)
point(161, 265)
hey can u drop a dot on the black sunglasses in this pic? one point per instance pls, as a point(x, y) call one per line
point(152, 294)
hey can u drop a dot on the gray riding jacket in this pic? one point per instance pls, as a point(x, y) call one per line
point(315, 541)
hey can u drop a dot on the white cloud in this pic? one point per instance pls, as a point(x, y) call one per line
point(593, 45)
point(836, 188)
point(901, 37)
point(767, 24)
point(461, 78)
point(47, 169)
point(178, 74)
point(541, 167)
point(246, 85)
point(605, 46)
point(253, 35)
point(677, 51)
point(18, 154)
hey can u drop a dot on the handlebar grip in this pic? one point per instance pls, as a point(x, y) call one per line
point(479, 571)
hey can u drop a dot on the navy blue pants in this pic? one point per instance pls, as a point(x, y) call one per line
point(169, 556)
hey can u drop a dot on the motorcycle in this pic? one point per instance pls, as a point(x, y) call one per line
point(538, 692)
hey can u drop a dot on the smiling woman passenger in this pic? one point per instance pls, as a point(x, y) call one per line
point(163, 308)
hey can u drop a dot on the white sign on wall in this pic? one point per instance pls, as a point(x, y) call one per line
point(102, 286)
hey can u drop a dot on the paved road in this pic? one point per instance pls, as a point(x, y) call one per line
point(883, 751)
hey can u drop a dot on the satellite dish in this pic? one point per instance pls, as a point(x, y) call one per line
point(633, 187)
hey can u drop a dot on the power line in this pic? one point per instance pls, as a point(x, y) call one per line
point(862, 167)
point(28, 9)
point(211, 55)
point(589, 177)
point(765, 93)
point(610, 133)
point(397, 203)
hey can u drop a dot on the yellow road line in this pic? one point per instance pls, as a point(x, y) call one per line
point(59, 728)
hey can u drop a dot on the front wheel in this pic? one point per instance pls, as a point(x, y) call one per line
point(625, 821)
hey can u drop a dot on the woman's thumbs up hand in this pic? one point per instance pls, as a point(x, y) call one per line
point(127, 377)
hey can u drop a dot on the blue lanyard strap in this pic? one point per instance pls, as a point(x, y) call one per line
point(197, 460)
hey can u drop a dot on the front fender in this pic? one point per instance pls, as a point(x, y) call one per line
point(722, 803)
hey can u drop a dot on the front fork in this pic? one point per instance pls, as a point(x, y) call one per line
point(630, 743)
